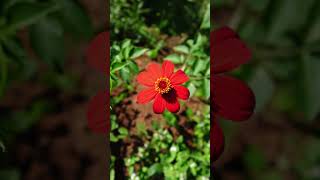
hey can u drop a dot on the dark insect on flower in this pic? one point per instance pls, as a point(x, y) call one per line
point(164, 86)
point(232, 99)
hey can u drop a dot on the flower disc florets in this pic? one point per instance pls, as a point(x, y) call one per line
point(162, 85)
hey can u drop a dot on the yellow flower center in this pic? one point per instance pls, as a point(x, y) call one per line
point(162, 85)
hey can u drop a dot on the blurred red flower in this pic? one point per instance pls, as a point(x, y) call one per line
point(232, 99)
point(98, 108)
point(164, 86)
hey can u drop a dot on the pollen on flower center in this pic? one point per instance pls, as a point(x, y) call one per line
point(162, 85)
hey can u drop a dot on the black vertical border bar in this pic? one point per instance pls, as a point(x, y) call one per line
point(211, 108)
point(108, 87)
point(211, 91)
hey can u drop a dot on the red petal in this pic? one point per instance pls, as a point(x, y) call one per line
point(154, 70)
point(182, 92)
point(146, 95)
point(159, 104)
point(172, 102)
point(178, 78)
point(98, 52)
point(222, 34)
point(146, 78)
point(232, 99)
point(97, 113)
point(227, 52)
point(216, 141)
point(173, 106)
point(167, 68)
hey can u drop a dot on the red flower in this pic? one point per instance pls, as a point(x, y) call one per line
point(232, 99)
point(164, 86)
point(98, 108)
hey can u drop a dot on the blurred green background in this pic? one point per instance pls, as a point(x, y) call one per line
point(45, 86)
point(282, 140)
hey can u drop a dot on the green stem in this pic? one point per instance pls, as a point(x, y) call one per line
point(198, 77)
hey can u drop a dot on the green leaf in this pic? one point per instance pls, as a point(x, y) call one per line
point(206, 18)
point(263, 88)
point(182, 49)
point(311, 86)
point(24, 14)
point(175, 58)
point(170, 118)
point(154, 169)
point(113, 83)
point(141, 128)
point(75, 19)
point(112, 174)
point(153, 53)
point(125, 74)
point(199, 66)
point(114, 124)
point(47, 39)
point(113, 138)
point(123, 131)
point(126, 43)
point(138, 52)
point(206, 88)
point(117, 66)
point(192, 89)
point(200, 42)
point(133, 66)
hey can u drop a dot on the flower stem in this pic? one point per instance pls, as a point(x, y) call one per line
point(198, 77)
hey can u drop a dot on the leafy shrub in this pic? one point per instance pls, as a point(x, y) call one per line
point(163, 154)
